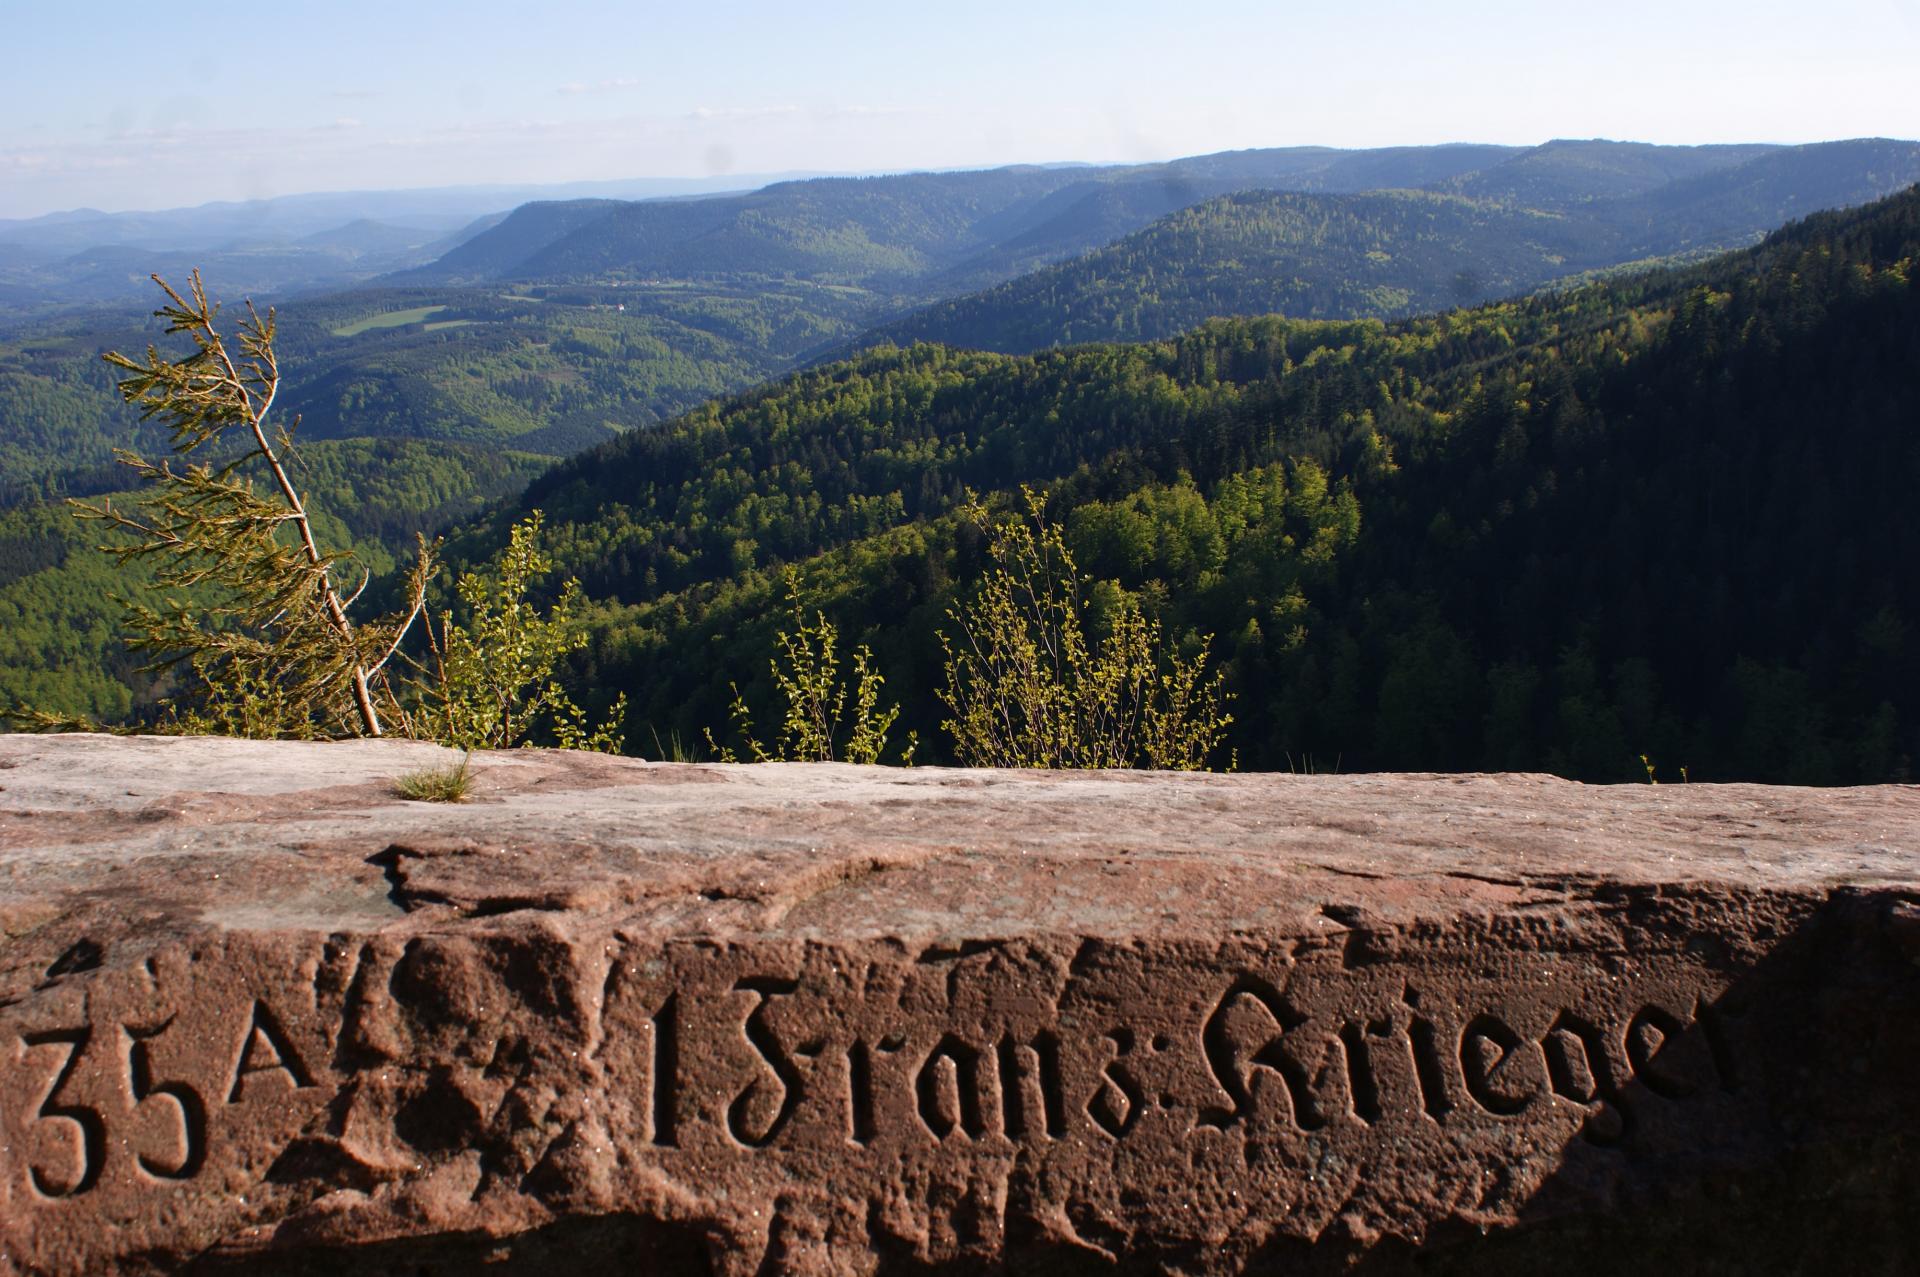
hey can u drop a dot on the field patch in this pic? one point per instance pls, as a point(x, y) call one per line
point(387, 319)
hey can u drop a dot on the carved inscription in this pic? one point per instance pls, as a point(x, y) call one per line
point(948, 1087)
point(1277, 1066)
point(1362, 1086)
point(163, 1123)
point(663, 1079)
point(1580, 1068)
point(266, 1052)
point(722, 1064)
point(1253, 1015)
point(1423, 1041)
point(1498, 1066)
point(1271, 1065)
point(1117, 1102)
point(859, 1093)
point(1653, 1038)
point(1030, 1094)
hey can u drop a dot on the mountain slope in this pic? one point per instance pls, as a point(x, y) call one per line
point(1563, 172)
point(845, 227)
point(647, 308)
point(1667, 515)
point(951, 230)
point(550, 373)
point(1264, 252)
point(1735, 202)
point(1325, 168)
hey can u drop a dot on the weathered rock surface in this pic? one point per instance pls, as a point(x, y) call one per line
point(259, 1015)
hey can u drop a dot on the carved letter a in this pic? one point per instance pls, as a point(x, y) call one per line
point(266, 1049)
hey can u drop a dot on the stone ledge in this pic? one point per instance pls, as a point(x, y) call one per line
point(259, 1015)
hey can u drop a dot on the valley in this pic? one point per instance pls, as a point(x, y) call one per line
point(1353, 416)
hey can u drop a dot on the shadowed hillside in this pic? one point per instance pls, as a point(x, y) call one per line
point(1664, 515)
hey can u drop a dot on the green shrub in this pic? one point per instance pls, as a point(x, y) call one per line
point(1026, 687)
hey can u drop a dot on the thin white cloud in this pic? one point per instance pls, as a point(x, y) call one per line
point(740, 112)
point(259, 162)
point(605, 86)
point(875, 112)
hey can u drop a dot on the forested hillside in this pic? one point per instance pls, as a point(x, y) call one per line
point(939, 234)
point(83, 258)
point(1666, 515)
point(1551, 214)
point(550, 371)
point(571, 321)
point(1570, 171)
point(1266, 252)
point(912, 233)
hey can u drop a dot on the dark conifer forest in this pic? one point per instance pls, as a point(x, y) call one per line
point(1669, 515)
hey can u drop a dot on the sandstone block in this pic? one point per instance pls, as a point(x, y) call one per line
point(257, 1014)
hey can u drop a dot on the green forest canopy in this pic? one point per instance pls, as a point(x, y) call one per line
point(1666, 515)
point(61, 647)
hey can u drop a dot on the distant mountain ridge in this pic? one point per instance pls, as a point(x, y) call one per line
point(583, 318)
point(929, 240)
point(1309, 256)
point(1666, 515)
point(291, 216)
point(941, 229)
point(1568, 171)
point(935, 228)
point(272, 246)
point(1319, 255)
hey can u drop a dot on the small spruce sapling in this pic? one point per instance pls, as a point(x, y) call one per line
point(276, 651)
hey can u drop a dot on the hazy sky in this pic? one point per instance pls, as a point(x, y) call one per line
point(120, 105)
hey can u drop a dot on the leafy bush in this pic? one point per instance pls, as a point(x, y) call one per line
point(489, 680)
point(1027, 688)
point(807, 673)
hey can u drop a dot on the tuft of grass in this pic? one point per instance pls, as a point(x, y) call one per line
point(673, 749)
point(448, 784)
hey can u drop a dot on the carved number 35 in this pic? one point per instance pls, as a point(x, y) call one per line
point(89, 1126)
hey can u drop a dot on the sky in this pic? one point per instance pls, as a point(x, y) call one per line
point(118, 105)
